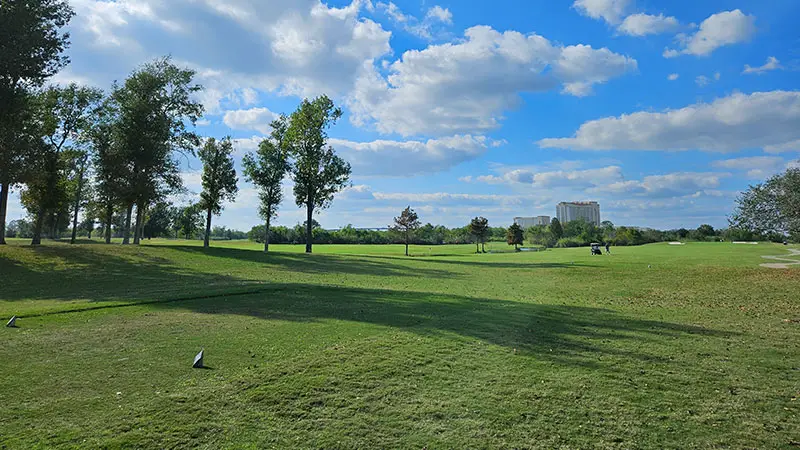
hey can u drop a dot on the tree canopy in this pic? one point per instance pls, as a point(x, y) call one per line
point(770, 207)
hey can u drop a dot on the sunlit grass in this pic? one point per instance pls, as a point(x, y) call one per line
point(359, 347)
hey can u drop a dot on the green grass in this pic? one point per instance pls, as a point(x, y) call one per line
point(359, 347)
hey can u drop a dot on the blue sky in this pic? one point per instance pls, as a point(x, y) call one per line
point(662, 111)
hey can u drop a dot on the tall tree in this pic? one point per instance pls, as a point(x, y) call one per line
point(160, 220)
point(65, 113)
point(79, 168)
point(318, 172)
point(771, 207)
point(219, 179)
point(479, 229)
point(266, 169)
point(112, 174)
point(405, 225)
point(155, 110)
point(557, 229)
point(515, 236)
point(31, 46)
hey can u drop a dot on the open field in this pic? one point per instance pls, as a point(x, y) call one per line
point(358, 347)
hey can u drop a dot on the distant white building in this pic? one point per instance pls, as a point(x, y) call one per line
point(527, 222)
point(569, 211)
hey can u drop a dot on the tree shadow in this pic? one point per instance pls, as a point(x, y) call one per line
point(561, 333)
point(71, 273)
point(318, 263)
point(490, 264)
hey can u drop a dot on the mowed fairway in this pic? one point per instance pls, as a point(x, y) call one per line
point(359, 347)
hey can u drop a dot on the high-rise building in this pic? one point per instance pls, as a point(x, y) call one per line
point(569, 211)
point(527, 222)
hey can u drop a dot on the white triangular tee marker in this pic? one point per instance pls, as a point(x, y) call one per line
point(198, 360)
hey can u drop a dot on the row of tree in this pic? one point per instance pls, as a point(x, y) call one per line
point(75, 149)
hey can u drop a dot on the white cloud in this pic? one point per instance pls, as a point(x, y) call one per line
point(464, 87)
point(663, 186)
point(441, 14)
point(791, 146)
point(721, 29)
point(771, 64)
point(425, 28)
point(301, 47)
point(643, 24)
point(702, 80)
point(612, 11)
point(257, 119)
point(757, 167)
point(553, 179)
point(245, 145)
point(768, 120)
point(408, 158)
point(673, 76)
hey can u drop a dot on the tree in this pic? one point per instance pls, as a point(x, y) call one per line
point(406, 224)
point(705, 231)
point(155, 107)
point(219, 179)
point(266, 169)
point(112, 172)
point(515, 236)
point(479, 229)
point(79, 168)
point(771, 207)
point(318, 172)
point(160, 220)
point(64, 113)
point(31, 47)
point(557, 229)
point(190, 220)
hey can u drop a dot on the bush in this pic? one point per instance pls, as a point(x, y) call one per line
point(571, 242)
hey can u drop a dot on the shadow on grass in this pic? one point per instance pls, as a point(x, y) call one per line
point(487, 264)
point(100, 273)
point(317, 263)
point(62, 272)
point(558, 332)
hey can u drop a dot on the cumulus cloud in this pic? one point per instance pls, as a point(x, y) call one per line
point(425, 28)
point(643, 24)
point(301, 47)
point(756, 167)
point(464, 87)
point(257, 119)
point(440, 14)
point(662, 186)
point(673, 76)
point(721, 29)
point(769, 120)
point(612, 11)
point(554, 179)
point(408, 158)
point(771, 64)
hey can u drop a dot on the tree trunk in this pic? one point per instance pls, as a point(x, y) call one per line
point(90, 235)
point(208, 228)
point(126, 232)
point(406, 248)
point(77, 203)
point(309, 227)
point(109, 218)
point(483, 247)
point(477, 247)
point(37, 228)
point(141, 209)
point(266, 236)
point(3, 208)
